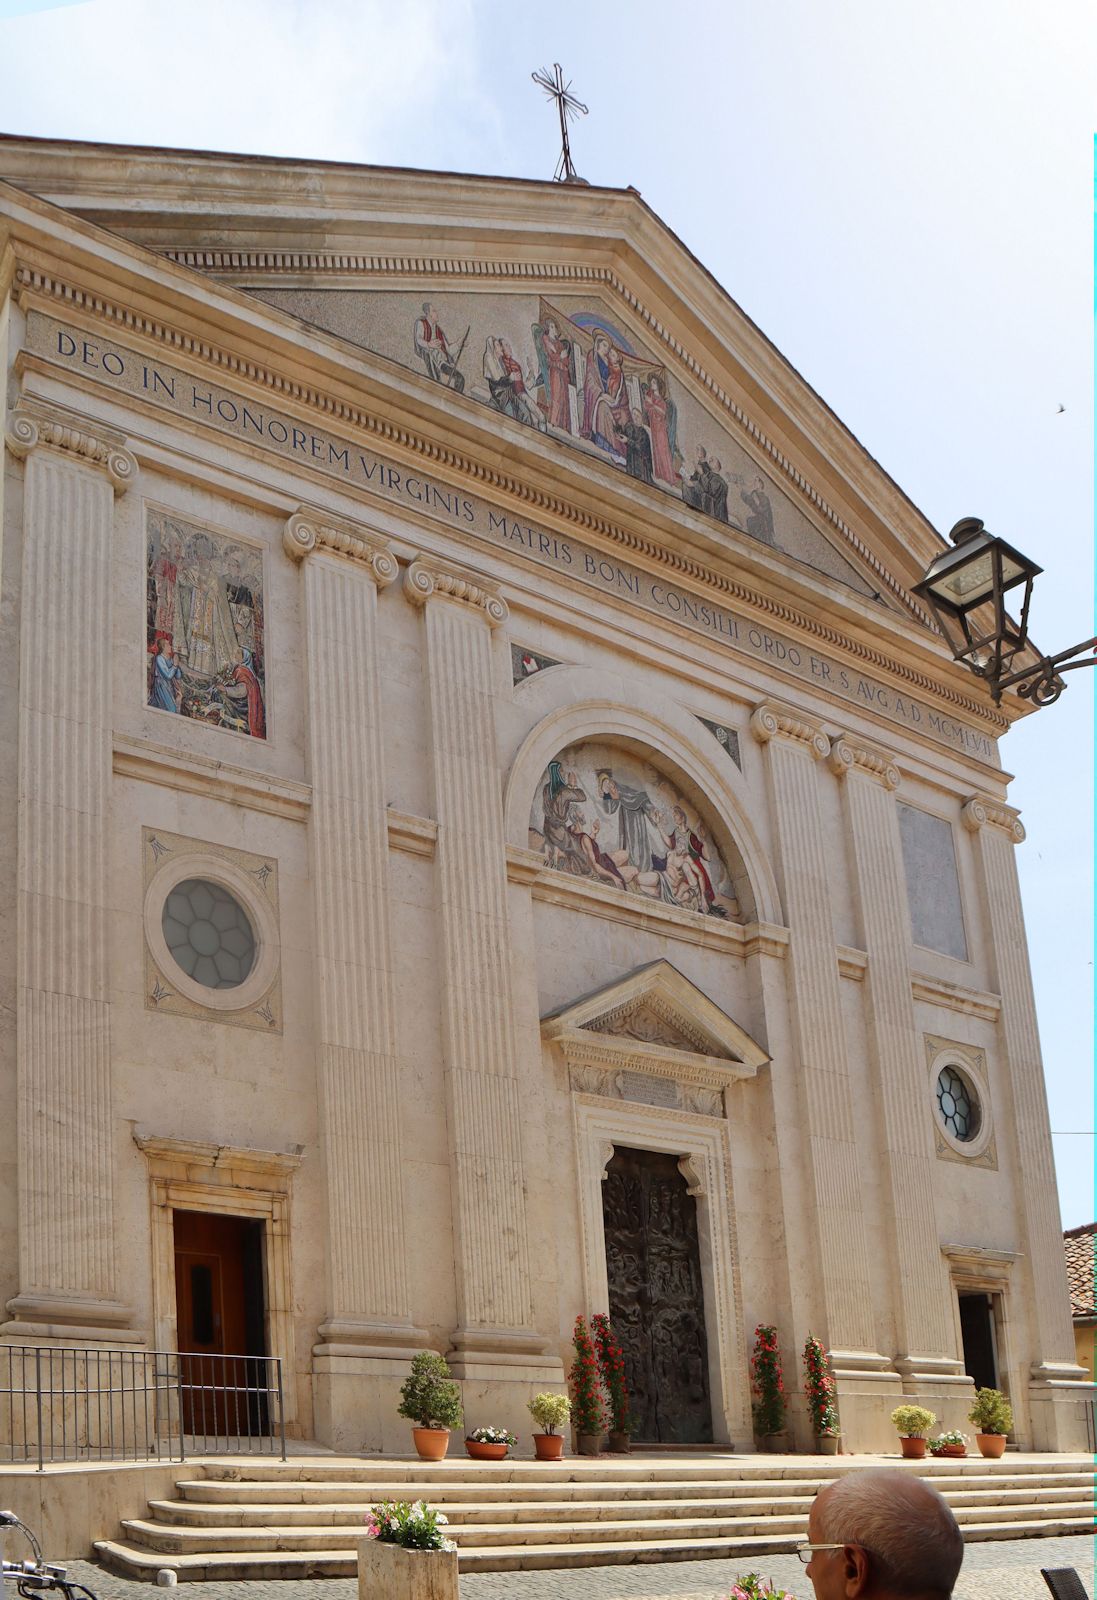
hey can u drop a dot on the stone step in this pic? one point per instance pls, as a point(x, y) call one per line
point(235, 1566)
point(474, 1508)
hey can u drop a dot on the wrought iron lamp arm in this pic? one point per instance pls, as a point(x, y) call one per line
point(1042, 681)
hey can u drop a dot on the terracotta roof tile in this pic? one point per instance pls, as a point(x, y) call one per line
point(1080, 1245)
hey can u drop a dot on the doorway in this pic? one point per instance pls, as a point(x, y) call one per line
point(980, 1341)
point(656, 1296)
point(220, 1310)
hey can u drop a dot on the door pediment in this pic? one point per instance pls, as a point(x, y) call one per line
point(653, 1021)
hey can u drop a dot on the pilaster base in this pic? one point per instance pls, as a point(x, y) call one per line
point(78, 1319)
point(355, 1336)
point(1060, 1395)
point(355, 1400)
point(867, 1389)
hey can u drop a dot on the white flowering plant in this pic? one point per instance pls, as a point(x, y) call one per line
point(411, 1524)
point(493, 1436)
point(952, 1437)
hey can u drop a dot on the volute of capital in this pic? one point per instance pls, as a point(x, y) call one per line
point(983, 812)
point(33, 430)
point(307, 531)
point(847, 755)
point(773, 721)
point(425, 579)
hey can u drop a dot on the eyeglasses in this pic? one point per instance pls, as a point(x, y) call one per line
point(806, 1551)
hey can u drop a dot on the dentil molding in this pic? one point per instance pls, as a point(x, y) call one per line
point(983, 812)
point(427, 577)
point(68, 432)
point(309, 530)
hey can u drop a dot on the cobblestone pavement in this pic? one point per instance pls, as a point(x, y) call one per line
point(997, 1569)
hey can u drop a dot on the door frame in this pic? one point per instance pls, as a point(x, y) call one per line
point(701, 1145)
point(188, 1176)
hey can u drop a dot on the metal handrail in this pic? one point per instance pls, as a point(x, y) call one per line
point(90, 1403)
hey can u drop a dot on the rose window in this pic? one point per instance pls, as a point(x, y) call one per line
point(208, 933)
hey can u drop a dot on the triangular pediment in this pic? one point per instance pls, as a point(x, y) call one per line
point(655, 1014)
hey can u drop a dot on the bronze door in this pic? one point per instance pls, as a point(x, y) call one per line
point(656, 1300)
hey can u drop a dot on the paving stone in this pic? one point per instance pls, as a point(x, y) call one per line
point(1007, 1569)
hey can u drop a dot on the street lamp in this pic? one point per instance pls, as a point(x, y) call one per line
point(967, 588)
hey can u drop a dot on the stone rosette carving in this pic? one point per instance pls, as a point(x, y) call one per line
point(848, 755)
point(983, 812)
point(773, 721)
point(425, 578)
point(31, 430)
point(307, 531)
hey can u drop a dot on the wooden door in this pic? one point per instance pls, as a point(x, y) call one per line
point(213, 1266)
point(656, 1299)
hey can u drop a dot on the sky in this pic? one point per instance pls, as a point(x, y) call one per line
point(899, 194)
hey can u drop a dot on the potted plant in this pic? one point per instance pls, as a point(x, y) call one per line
point(751, 1586)
point(769, 1389)
point(912, 1422)
point(406, 1553)
point(550, 1411)
point(489, 1444)
point(590, 1415)
point(992, 1415)
point(820, 1389)
point(611, 1363)
point(432, 1400)
point(952, 1443)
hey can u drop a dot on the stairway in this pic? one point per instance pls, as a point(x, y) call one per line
point(302, 1518)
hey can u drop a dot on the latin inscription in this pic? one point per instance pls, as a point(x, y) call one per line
point(255, 422)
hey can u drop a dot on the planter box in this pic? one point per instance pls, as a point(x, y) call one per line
point(388, 1572)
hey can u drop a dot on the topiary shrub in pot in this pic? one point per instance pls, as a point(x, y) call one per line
point(431, 1399)
point(551, 1411)
point(992, 1415)
point(912, 1423)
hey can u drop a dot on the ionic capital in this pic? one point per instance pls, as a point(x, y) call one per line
point(983, 812)
point(56, 430)
point(772, 720)
point(851, 755)
point(426, 577)
point(309, 530)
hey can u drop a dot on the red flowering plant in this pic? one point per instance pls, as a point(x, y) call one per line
point(820, 1388)
point(766, 1381)
point(611, 1363)
point(588, 1410)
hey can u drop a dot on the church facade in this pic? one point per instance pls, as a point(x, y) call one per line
point(491, 835)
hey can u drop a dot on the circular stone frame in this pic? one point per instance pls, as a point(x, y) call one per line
point(197, 864)
point(969, 1149)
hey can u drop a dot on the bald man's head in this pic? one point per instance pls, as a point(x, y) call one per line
point(903, 1538)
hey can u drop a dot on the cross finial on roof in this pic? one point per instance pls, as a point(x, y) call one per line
point(568, 106)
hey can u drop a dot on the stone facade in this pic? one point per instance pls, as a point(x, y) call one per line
point(449, 756)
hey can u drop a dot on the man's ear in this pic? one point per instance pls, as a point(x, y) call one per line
point(855, 1571)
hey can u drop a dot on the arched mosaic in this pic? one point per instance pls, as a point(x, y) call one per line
point(605, 814)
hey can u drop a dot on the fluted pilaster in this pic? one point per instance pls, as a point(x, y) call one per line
point(344, 566)
point(924, 1321)
point(997, 829)
point(482, 1076)
point(66, 1211)
point(794, 745)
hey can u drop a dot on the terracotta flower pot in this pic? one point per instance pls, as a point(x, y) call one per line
point(619, 1443)
point(826, 1444)
point(913, 1449)
point(954, 1451)
point(991, 1445)
point(431, 1443)
point(548, 1446)
point(485, 1452)
point(590, 1444)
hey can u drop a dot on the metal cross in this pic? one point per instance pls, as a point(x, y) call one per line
point(568, 106)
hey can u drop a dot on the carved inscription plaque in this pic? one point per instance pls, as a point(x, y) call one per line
point(656, 1300)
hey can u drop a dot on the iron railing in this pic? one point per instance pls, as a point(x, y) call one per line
point(84, 1403)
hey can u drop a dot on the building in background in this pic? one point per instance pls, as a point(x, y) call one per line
point(493, 834)
point(1080, 1245)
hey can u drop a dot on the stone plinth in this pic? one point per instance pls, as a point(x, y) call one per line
point(388, 1572)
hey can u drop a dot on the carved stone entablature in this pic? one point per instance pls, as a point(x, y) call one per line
point(426, 577)
point(30, 429)
point(309, 530)
point(653, 1037)
point(853, 755)
point(983, 812)
point(772, 720)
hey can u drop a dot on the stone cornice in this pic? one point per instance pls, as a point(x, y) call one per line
point(956, 997)
point(983, 812)
point(771, 720)
point(309, 530)
point(427, 577)
point(611, 1054)
point(135, 757)
point(852, 755)
point(47, 286)
point(34, 427)
point(199, 1153)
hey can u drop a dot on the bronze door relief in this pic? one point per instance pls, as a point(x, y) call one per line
point(656, 1299)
